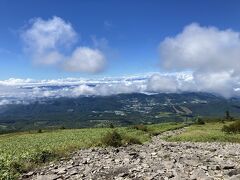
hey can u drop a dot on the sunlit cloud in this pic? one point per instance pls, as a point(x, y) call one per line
point(213, 55)
point(52, 42)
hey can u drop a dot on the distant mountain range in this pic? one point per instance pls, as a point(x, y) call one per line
point(122, 109)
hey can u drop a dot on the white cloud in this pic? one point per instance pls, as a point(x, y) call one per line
point(84, 90)
point(44, 38)
point(50, 58)
point(202, 49)
point(29, 89)
point(152, 82)
point(212, 55)
point(49, 34)
point(48, 43)
point(120, 88)
point(4, 102)
point(14, 81)
point(26, 90)
point(161, 83)
point(85, 59)
point(202, 59)
point(111, 88)
point(217, 82)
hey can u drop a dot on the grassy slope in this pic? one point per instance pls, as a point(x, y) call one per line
point(19, 151)
point(210, 132)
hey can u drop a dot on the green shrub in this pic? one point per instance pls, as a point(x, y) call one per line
point(232, 128)
point(16, 166)
point(112, 139)
point(228, 117)
point(111, 125)
point(140, 127)
point(43, 156)
point(200, 121)
point(39, 131)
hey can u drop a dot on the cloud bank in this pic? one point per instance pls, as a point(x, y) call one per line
point(50, 43)
point(72, 87)
point(213, 56)
point(27, 90)
point(200, 59)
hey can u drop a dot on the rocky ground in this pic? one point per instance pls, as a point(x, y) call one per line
point(157, 159)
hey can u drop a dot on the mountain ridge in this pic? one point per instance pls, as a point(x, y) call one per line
point(120, 110)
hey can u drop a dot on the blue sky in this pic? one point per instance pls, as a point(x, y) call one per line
point(129, 32)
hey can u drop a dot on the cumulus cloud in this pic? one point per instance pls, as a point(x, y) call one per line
point(201, 59)
point(111, 88)
point(44, 38)
point(84, 90)
point(202, 49)
point(212, 55)
point(222, 83)
point(120, 88)
point(85, 59)
point(48, 43)
point(160, 83)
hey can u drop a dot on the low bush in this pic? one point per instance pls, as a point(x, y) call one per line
point(112, 139)
point(42, 156)
point(115, 139)
point(228, 117)
point(200, 121)
point(111, 125)
point(39, 131)
point(232, 128)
